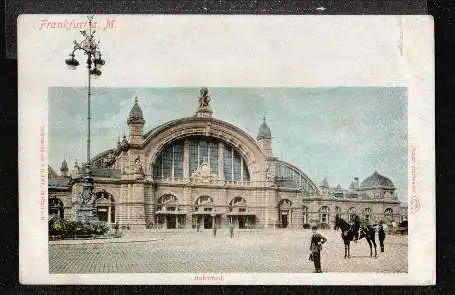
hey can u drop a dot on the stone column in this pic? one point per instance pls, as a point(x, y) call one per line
point(186, 159)
point(188, 220)
point(221, 161)
point(109, 213)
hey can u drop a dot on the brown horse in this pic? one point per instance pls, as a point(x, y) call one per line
point(354, 232)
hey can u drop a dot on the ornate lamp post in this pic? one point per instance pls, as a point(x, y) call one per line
point(90, 47)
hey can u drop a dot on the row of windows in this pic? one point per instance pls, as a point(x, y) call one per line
point(171, 199)
point(170, 163)
point(325, 209)
point(324, 217)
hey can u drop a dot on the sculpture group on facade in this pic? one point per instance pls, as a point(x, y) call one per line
point(204, 98)
point(138, 167)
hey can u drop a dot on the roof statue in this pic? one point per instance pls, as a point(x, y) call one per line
point(204, 98)
point(204, 109)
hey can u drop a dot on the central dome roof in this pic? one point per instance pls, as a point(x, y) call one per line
point(376, 180)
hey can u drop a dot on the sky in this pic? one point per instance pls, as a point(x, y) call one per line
point(336, 133)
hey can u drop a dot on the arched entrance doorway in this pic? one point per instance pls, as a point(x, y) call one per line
point(239, 213)
point(168, 214)
point(205, 215)
point(285, 212)
point(105, 207)
point(56, 208)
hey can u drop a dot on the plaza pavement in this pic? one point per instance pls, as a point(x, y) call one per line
point(261, 251)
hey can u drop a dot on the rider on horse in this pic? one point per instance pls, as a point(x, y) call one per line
point(355, 227)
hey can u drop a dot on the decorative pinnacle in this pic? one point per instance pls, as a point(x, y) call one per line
point(135, 99)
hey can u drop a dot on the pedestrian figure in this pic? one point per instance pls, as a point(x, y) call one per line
point(315, 248)
point(381, 234)
point(198, 225)
point(231, 229)
point(116, 227)
point(214, 230)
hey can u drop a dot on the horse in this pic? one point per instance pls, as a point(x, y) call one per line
point(355, 232)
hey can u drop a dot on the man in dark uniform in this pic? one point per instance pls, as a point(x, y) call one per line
point(315, 247)
point(231, 229)
point(214, 229)
point(381, 235)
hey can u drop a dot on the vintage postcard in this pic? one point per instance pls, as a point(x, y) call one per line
point(289, 150)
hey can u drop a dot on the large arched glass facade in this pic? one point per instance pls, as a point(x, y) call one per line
point(235, 167)
point(171, 161)
point(201, 151)
point(287, 175)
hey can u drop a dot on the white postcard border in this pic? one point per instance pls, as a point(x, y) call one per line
point(183, 51)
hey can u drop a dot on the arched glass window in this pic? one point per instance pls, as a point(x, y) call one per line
point(169, 162)
point(324, 214)
point(167, 202)
point(235, 167)
point(204, 203)
point(238, 201)
point(238, 204)
point(288, 176)
point(202, 150)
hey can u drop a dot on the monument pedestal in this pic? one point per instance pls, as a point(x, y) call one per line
point(87, 210)
point(204, 112)
point(86, 213)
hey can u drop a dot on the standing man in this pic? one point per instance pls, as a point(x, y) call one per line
point(231, 229)
point(381, 234)
point(315, 247)
point(214, 229)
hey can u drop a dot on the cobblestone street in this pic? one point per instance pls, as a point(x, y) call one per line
point(261, 251)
